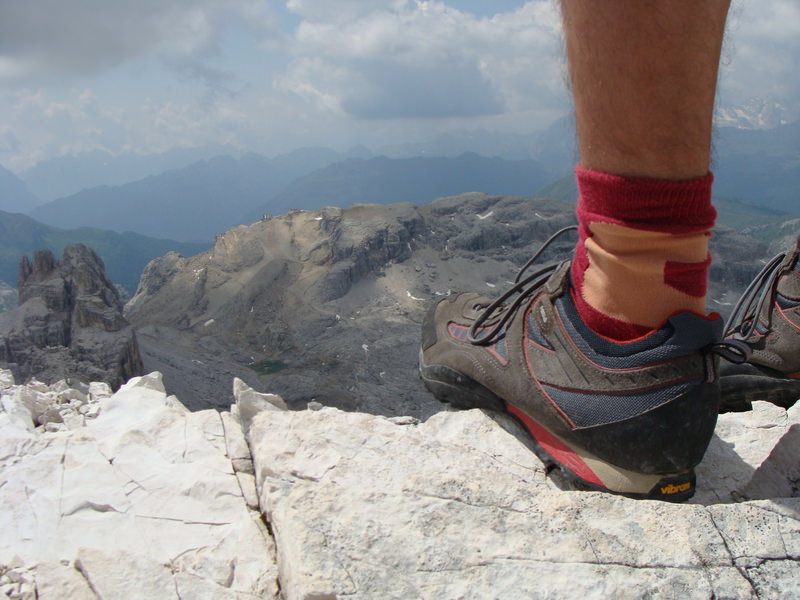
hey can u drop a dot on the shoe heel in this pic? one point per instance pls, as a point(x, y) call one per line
point(589, 472)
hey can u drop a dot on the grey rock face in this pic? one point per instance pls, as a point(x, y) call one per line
point(69, 322)
point(145, 499)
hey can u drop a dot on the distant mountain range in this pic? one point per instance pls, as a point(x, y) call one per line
point(385, 180)
point(66, 175)
point(762, 167)
point(755, 113)
point(755, 167)
point(125, 255)
point(190, 204)
point(208, 197)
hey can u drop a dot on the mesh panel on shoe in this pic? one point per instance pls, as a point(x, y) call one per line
point(683, 334)
point(587, 410)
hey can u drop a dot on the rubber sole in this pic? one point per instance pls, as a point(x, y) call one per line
point(739, 389)
point(579, 467)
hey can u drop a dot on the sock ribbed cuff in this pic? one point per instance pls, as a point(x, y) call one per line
point(641, 203)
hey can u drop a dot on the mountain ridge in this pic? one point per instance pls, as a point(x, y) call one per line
point(124, 254)
point(325, 305)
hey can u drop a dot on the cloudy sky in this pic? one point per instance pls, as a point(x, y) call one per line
point(269, 75)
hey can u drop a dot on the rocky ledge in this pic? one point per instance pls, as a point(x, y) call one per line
point(136, 497)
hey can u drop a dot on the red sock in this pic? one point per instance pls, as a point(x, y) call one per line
point(642, 254)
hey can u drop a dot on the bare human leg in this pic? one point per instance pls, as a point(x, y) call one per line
point(644, 76)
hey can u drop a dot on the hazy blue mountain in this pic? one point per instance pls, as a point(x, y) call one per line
point(758, 167)
point(14, 194)
point(735, 213)
point(513, 146)
point(125, 255)
point(66, 175)
point(188, 204)
point(385, 180)
point(761, 166)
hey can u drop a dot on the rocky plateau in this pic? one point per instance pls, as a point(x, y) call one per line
point(325, 305)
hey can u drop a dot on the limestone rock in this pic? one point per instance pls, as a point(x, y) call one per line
point(754, 455)
point(249, 403)
point(140, 501)
point(459, 507)
point(69, 322)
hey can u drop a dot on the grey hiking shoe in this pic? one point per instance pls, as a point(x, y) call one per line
point(766, 322)
point(630, 418)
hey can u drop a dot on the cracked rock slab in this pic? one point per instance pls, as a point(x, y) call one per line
point(141, 499)
point(459, 507)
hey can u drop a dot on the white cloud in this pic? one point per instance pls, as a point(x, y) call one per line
point(270, 75)
point(426, 59)
point(762, 52)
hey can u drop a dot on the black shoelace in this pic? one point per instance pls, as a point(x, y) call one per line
point(746, 315)
point(522, 288)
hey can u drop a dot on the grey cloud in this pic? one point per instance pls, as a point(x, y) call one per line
point(46, 38)
point(395, 90)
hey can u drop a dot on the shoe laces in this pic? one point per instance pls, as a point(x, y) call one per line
point(522, 288)
point(733, 349)
point(746, 315)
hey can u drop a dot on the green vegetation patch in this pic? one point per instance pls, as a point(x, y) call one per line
point(268, 367)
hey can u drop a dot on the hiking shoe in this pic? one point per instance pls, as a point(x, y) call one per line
point(767, 321)
point(630, 418)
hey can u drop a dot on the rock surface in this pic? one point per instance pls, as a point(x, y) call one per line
point(458, 507)
point(68, 323)
point(325, 305)
point(141, 500)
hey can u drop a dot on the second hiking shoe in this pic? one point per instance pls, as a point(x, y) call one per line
point(767, 321)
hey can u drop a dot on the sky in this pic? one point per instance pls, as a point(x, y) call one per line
point(271, 76)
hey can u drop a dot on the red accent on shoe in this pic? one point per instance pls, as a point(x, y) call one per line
point(689, 278)
point(560, 452)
